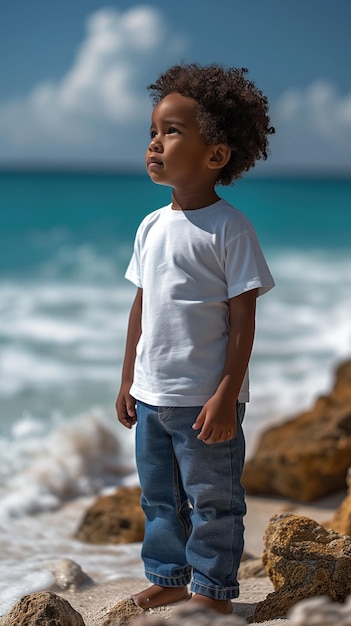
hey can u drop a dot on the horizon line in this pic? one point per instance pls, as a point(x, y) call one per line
point(114, 169)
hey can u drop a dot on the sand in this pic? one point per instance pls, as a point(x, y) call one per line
point(94, 602)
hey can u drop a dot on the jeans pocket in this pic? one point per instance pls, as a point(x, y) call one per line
point(165, 412)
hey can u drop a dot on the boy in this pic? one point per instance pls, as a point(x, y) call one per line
point(198, 269)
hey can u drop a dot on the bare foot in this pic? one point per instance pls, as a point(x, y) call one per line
point(157, 596)
point(224, 607)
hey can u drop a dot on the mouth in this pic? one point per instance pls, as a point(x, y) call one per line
point(154, 162)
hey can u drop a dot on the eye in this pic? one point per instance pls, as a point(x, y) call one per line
point(172, 130)
point(153, 134)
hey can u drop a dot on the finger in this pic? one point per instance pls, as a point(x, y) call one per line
point(123, 417)
point(217, 437)
point(199, 422)
point(205, 434)
point(231, 434)
point(226, 435)
point(125, 420)
point(130, 406)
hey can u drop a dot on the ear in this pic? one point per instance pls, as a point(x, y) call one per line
point(219, 156)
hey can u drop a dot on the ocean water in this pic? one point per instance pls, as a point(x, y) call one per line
point(65, 241)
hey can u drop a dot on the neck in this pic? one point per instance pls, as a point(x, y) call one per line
point(193, 200)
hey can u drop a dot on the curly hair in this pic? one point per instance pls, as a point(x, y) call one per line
point(231, 110)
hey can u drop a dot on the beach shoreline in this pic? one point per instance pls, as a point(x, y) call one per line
point(94, 602)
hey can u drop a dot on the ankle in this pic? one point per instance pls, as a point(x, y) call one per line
point(157, 596)
point(224, 607)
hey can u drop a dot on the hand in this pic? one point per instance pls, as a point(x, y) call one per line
point(217, 420)
point(125, 407)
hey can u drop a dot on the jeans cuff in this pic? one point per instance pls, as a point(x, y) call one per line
point(169, 581)
point(228, 593)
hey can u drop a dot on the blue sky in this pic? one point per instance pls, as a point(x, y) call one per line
point(74, 75)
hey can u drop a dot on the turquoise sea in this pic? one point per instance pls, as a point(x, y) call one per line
point(65, 241)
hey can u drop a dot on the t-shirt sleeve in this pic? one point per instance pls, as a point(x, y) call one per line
point(245, 266)
point(133, 272)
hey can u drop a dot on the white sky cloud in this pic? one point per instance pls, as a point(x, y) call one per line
point(99, 111)
point(102, 95)
point(313, 128)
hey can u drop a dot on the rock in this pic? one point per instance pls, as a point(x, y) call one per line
point(341, 522)
point(116, 518)
point(322, 612)
point(43, 608)
point(123, 613)
point(306, 457)
point(303, 559)
point(69, 575)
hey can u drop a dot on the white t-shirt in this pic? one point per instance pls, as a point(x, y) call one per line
point(189, 263)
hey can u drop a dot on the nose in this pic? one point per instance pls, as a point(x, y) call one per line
point(155, 145)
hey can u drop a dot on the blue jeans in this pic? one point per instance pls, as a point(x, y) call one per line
point(193, 501)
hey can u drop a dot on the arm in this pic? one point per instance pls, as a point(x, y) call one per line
point(218, 415)
point(125, 403)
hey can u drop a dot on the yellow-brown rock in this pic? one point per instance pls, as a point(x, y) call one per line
point(115, 518)
point(306, 457)
point(341, 522)
point(303, 560)
point(43, 608)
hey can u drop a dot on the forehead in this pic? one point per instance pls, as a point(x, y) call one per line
point(175, 106)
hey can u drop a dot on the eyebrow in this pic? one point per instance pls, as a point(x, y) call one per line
point(171, 121)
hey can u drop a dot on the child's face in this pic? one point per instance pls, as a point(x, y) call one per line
point(177, 153)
